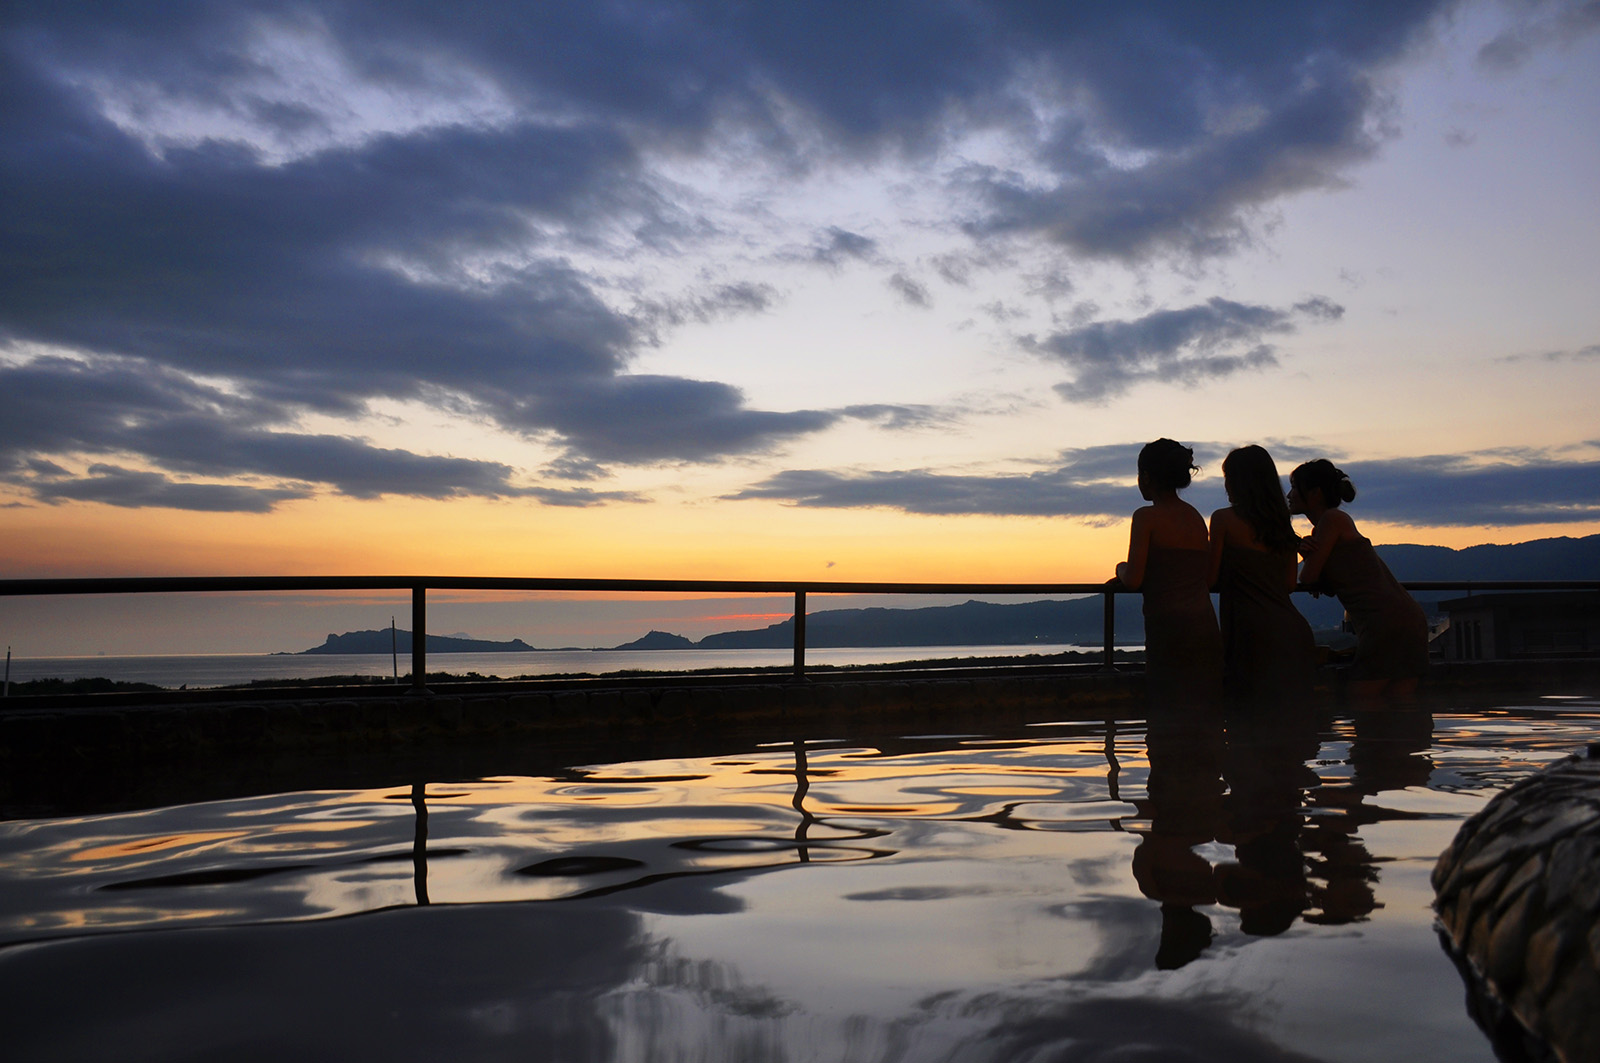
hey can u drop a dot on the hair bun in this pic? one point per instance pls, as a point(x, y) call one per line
point(1320, 474)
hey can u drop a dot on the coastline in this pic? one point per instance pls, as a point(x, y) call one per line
point(225, 670)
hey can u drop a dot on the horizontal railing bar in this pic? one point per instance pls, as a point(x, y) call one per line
point(201, 584)
point(180, 584)
point(1500, 585)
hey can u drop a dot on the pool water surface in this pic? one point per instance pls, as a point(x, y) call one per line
point(1161, 888)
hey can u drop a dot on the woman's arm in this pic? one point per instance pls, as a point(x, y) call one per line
point(1335, 526)
point(1219, 535)
point(1131, 571)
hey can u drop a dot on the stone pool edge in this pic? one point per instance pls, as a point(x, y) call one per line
point(237, 723)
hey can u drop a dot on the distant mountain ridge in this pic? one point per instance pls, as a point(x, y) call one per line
point(1558, 558)
point(1071, 621)
point(1079, 620)
point(973, 623)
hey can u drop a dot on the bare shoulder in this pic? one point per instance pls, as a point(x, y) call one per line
point(1224, 520)
point(1178, 525)
point(1340, 525)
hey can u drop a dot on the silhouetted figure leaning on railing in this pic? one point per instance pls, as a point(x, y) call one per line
point(1268, 651)
point(1391, 628)
point(1169, 560)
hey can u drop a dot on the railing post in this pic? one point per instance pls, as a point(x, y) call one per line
point(799, 634)
point(1110, 627)
point(419, 639)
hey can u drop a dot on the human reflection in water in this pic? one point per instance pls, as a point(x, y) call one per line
point(802, 786)
point(1241, 780)
point(1265, 766)
point(1183, 808)
point(1389, 752)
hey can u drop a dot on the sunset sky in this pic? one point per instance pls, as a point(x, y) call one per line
point(881, 291)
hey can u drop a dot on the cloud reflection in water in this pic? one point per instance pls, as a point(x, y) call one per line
point(1079, 891)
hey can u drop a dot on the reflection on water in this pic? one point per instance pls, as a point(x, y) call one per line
point(1187, 886)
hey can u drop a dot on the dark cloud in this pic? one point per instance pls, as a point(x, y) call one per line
point(1094, 483)
point(944, 494)
point(1192, 121)
point(1581, 354)
point(127, 407)
point(1003, 314)
point(123, 407)
point(895, 417)
point(578, 497)
point(242, 227)
point(1532, 487)
point(641, 418)
point(1119, 461)
point(283, 279)
point(575, 469)
point(208, 262)
point(132, 489)
point(721, 302)
point(1545, 22)
point(1213, 339)
point(112, 404)
point(839, 245)
point(910, 291)
point(1498, 488)
point(954, 269)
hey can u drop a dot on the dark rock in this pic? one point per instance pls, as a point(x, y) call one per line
point(1519, 905)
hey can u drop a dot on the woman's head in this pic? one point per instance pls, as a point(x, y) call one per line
point(1166, 465)
point(1251, 480)
point(1324, 476)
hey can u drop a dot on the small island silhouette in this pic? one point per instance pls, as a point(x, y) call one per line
point(386, 641)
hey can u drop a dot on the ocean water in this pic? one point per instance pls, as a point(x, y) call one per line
point(1242, 890)
point(232, 669)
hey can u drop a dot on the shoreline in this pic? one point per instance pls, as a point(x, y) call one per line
point(93, 685)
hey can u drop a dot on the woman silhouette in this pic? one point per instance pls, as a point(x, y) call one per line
point(1168, 560)
point(1267, 649)
point(1391, 628)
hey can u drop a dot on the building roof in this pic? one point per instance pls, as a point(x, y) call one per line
point(1562, 601)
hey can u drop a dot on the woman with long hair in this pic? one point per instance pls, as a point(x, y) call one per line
point(1391, 628)
point(1267, 648)
point(1167, 561)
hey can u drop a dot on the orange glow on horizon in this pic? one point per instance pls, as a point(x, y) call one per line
point(669, 540)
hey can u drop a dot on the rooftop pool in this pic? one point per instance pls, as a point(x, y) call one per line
point(1173, 888)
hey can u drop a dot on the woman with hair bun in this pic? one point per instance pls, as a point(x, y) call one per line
point(1168, 560)
point(1267, 648)
point(1391, 628)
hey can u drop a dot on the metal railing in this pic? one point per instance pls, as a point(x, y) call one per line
point(420, 585)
